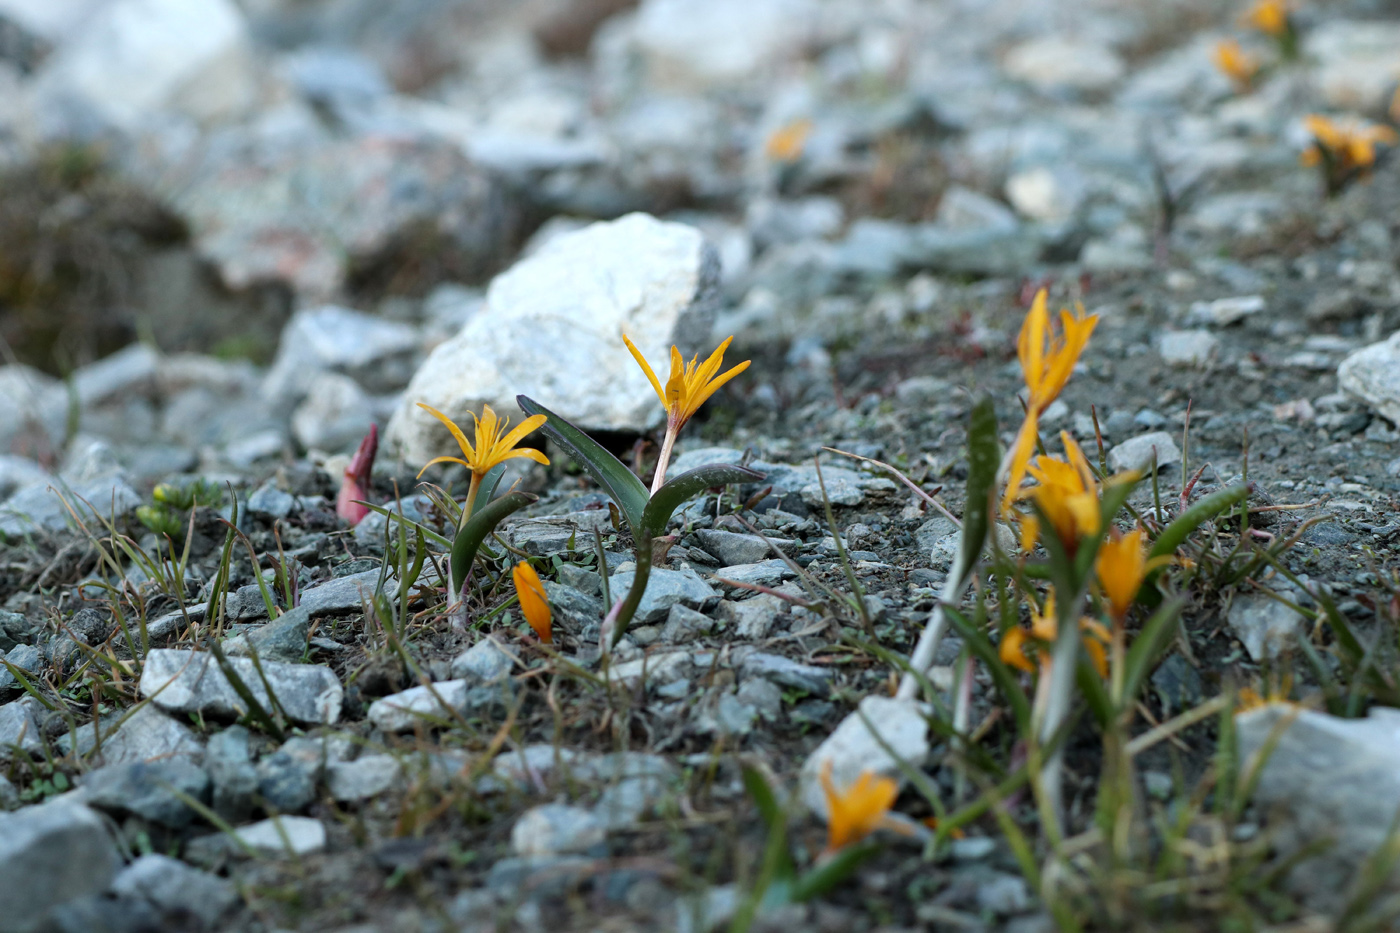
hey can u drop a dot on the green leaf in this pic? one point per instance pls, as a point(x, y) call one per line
point(1175, 534)
point(1149, 644)
point(608, 471)
point(690, 483)
point(771, 812)
point(468, 540)
point(489, 482)
point(826, 876)
point(1006, 680)
point(1092, 688)
point(983, 460)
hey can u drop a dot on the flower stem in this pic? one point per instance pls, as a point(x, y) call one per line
point(663, 461)
point(1054, 708)
point(470, 505)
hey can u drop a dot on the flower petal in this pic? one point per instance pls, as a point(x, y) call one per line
point(646, 368)
point(451, 426)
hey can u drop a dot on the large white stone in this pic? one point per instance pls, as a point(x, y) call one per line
point(1326, 780)
point(1054, 62)
point(1372, 374)
point(50, 19)
point(901, 728)
point(552, 329)
point(134, 58)
point(1357, 62)
point(695, 45)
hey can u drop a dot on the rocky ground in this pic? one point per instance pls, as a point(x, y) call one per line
point(234, 236)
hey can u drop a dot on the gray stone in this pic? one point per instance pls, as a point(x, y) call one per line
point(51, 854)
point(573, 609)
point(658, 667)
point(9, 796)
point(270, 501)
point(233, 779)
point(150, 789)
point(1326, 779)
point(1266, 627)
point(730, 548)
point(190, 681)
point(1372, 374)
point(764, 696)
point(1004, 895)
point(1356, 62)
point(683, 625)
point(786, 672)
point(177, 890)
point(483, 662)
point(286, 782)
point(1223, 312)
point(16, 630)
point(931, 532)
point(426, 706)
point(94, 483)
point(656, 281)
point(1136, 453)
point(764, 573)
point(665, 588)
point(725, 43)
point(284, 835)
point(282, 639)
point(1187, 347)
point(533, 765)
point(852, 748)
point(145, 734)
point(19, 727)
point(341, 341)
point(623, 803)
point(751, 618)
point(25, 657)
point(365, 777)
point(344, 594)
point(554, 829)
point(1053, 63)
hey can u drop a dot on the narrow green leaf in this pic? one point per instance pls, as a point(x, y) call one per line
point(1095, 696)
point(608, 471)
point(983, 459)
point(1149, 644)
point(489, 482)
point(1006, 680)
point(770, 811)
point(827, 875)
point(468, 540)
point(690, 483)
point(1175, 534)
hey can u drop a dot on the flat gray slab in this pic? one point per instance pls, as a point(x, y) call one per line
point(192, 682)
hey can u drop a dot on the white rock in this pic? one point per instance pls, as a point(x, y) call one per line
point(1053, 62)
point(135, 58)
point(1187, 347)
point(375, 352)
point(1136, 452)
point(30, 404)
point(555, 828)
point(695, 45)
point(284, 835)
point(852, 748)
point(1266, 627)
point(49, 854)
point(191, 682)
point(403, 712)
point(335, 415)
point(1046, 194)
point(49, 19)
point(1326, 779)
point(1357, 62)
point(552, 329)
point(964, 209)
point(1372, 374)
point(365, 777)
point(1225, 311)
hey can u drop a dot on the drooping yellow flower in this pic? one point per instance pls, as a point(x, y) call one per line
point(493, 445)
point(1121, 566)
point(1044, 627)
point(534, 604)
point(687, 388)
point(786, 143)
point(1344, 146)
point(857, 811)
point(1067, 494)
point(1237, 64)
point(1268, 16)
point(1047, 361)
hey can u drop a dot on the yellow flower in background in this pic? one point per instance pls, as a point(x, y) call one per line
point(788, 141)
point(534, 604)
point(1237, 64)
point(687, 388)
point(1121, 566)
point(1349, 144)
point(494, 445)
point(1268, 16)
point(1047, 360)
point(1263, 693)
point(859, 810)
point(1067, 494)
point(1044, 627)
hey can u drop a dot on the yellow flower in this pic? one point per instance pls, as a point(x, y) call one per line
point(1344, 146)
point(493, 445)
point(1270, 691)
point(1047, 360)
point(1121, 566)
point(534, 604)
point(1237, 64)
point(689, 386)
point(1268, 16)
point(1044, 627)
point(859, 810)
point(1067, 494)
point(787, 142)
